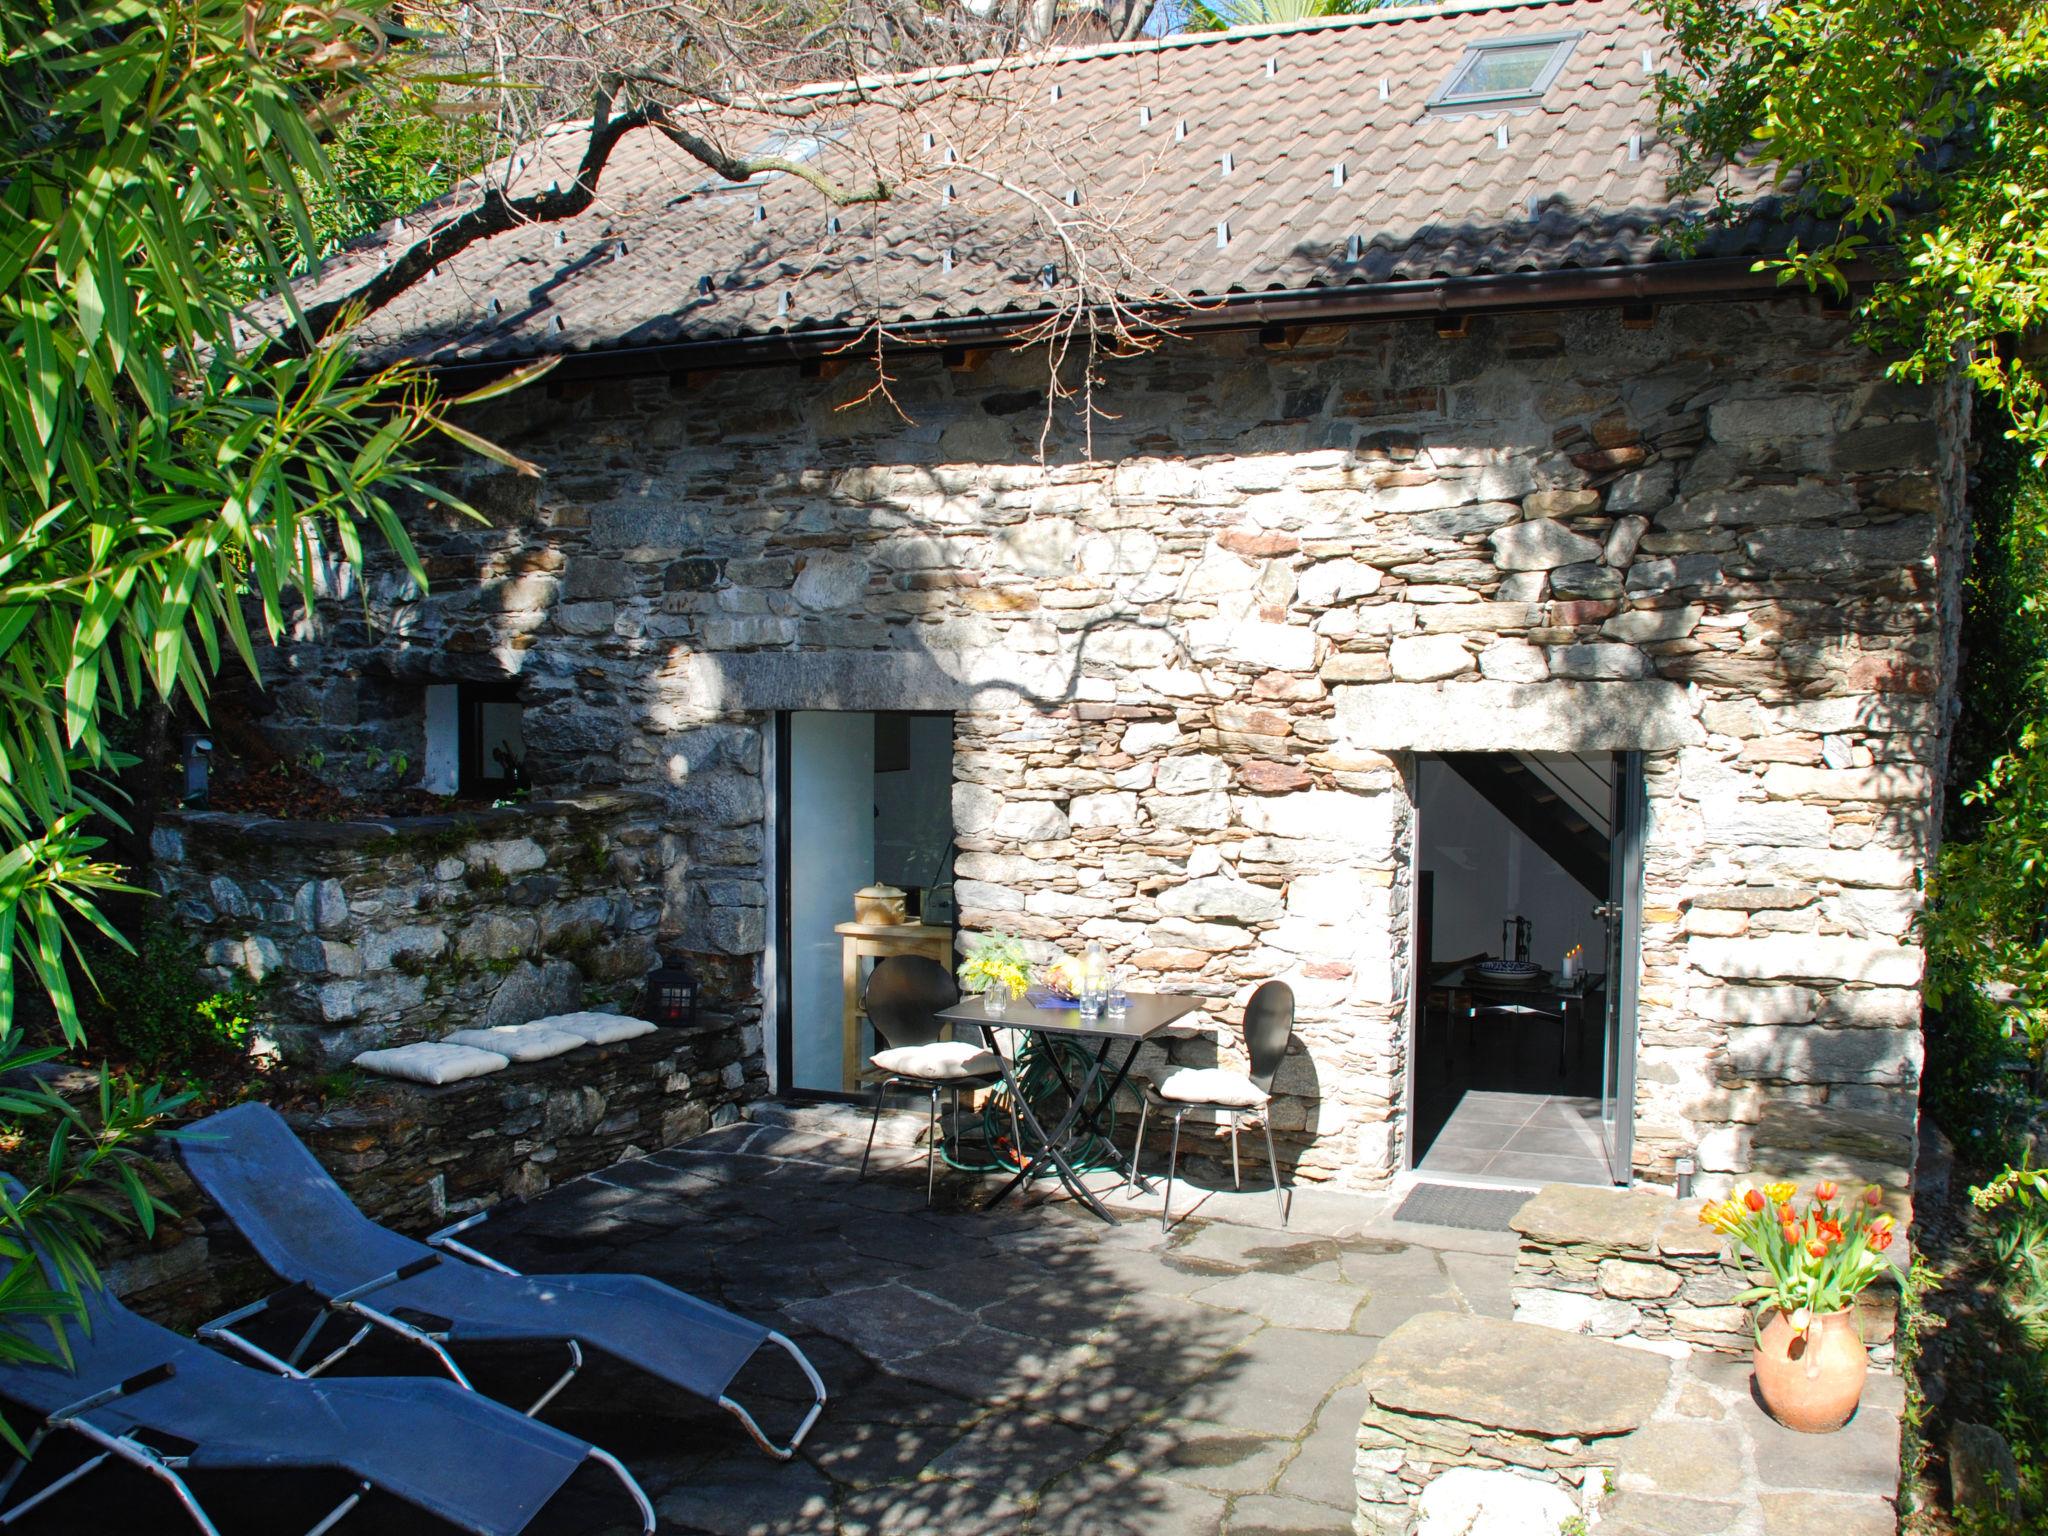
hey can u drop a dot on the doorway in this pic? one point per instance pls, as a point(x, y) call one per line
point(1528, 877)
point(862, 798)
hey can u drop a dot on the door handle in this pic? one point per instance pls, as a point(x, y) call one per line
point(1608, 911)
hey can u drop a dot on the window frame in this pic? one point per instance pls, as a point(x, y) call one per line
point(1561, 45)
point(473, 780)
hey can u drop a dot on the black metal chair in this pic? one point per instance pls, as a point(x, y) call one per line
point(903, 997)
point(1268, 1025)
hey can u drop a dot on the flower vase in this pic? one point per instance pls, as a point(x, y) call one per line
point(995, 1000)
point(1811, 1381)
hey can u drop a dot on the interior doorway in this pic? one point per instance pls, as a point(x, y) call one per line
point(1528, 874)
point(863, 798)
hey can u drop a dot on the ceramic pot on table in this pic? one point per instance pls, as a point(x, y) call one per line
point(1811, 1382)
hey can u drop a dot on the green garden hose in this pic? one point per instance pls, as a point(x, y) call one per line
point(1041, 1060)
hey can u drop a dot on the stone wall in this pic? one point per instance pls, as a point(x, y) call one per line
point(1472, 1424)
point(1192, 670)
point(1448, 1390)
point(372, 933)
point(1636, 1267)
point(416, 1158)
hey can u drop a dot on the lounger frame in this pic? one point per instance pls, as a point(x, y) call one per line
point(437, 1342)
point(169, 1470)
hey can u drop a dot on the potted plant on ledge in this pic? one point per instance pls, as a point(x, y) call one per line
point(1817, 1259)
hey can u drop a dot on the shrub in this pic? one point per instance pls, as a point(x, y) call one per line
point(162, 1011)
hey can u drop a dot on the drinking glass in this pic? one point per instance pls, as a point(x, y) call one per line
point(1090, 998)
point(1119, 1001)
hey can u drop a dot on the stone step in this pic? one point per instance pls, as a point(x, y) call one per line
point(1448, 1390)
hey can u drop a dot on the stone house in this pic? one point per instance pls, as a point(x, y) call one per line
point(1469, 555)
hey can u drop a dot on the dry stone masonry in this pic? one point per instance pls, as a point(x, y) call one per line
point(365, 934)
point(1474, 1424)
point(1191, 674)
point(1633, 1266)
point(1449, 1390)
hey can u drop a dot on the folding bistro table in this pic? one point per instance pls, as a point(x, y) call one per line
point(1150, 1013)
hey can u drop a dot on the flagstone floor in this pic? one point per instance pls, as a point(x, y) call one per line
point(1026, 1369)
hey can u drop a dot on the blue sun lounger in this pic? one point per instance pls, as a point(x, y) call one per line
point(169, 1406)
point(441, 1297)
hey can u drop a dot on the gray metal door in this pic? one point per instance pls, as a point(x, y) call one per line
point(1622, 915)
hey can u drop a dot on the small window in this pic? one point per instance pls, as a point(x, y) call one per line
point(475, 741)
point(493, 741)
point(1508, 71)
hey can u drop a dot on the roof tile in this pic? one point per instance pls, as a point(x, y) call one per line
point(1430, 194)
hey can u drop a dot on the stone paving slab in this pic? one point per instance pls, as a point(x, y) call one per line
point(1513, 1376)
point(1024, 1370)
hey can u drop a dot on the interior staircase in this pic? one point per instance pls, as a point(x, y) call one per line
point(1566, 826)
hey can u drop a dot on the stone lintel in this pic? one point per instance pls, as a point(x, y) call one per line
point(1513, 1376)
point(754, 682)
point(1530, 717)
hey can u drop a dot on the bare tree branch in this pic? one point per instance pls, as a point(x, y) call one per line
point(499, 212)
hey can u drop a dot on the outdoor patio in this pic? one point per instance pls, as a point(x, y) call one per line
point(1030, 1369)
point(1022, 1369)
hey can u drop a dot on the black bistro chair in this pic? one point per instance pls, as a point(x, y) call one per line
point(1268, 1026)
point(903, 997)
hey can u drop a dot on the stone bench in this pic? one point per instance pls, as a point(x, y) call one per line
point(1449, 1390)
point(1637, 1266)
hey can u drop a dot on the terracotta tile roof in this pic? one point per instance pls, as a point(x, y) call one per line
point(669, 253)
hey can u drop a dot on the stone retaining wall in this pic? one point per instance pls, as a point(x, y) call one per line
point(372, 933)
point(416, 1157)
point(1645, 1446)
point(1449, 1390)
point(1192, 660)
point(1634, 1266)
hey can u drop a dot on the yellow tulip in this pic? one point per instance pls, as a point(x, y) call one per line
point(1781, 1191)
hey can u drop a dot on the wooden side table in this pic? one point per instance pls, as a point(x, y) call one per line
point(877, 941)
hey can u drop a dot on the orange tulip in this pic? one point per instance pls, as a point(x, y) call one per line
point(1754, 1199)
point(1873, 1195)
point(1825, 1190)
point(1817, 1250)
point(1880, 1238)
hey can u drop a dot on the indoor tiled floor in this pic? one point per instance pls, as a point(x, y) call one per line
point(1531, 1138)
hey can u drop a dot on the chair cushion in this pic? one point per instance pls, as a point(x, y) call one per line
point(1211, 1085)
point(599, 1028)
point(432, 1061)
point(520, 1042)
point(941, 1061)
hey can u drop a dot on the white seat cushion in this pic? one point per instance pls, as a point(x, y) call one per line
point(1211, 1085)
point(599, 1028)
point(941, 1061)
point(433, 1061)
point(521, 1042)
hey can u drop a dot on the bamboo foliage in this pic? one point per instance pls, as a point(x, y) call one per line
point(162, 464)
point(169, 481)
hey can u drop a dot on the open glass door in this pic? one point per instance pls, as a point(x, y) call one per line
point(1622, 914)
point(862, 797)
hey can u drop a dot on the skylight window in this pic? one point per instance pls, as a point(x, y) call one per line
point(781, 144)
point(1509, 71)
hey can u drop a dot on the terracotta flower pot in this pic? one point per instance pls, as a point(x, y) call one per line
point(1811, 1382)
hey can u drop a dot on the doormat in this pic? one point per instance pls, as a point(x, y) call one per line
point(1479, 1209)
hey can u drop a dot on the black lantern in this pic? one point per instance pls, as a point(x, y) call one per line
point(672, 996)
